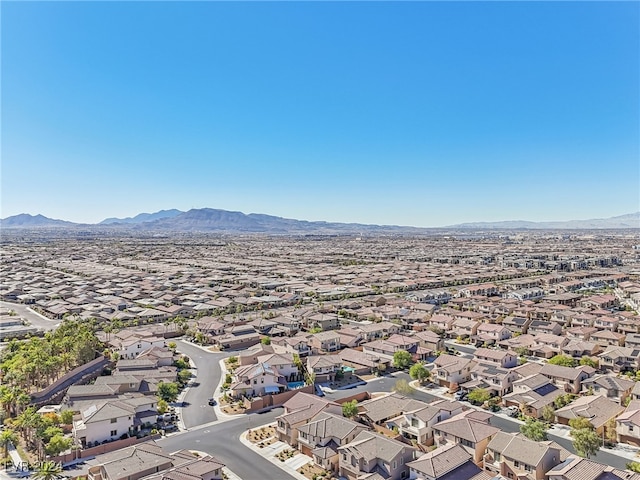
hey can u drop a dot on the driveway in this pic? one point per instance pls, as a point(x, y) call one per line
point(197, 410)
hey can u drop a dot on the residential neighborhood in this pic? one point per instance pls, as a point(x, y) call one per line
point(347, 357)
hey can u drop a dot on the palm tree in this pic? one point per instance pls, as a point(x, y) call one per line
point(48, 471)
point(7, 437)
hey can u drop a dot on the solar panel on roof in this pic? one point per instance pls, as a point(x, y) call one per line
point(545, 389)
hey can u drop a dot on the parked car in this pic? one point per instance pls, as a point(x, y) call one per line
point(512, 411)
point(460, 395)
point(212, 402)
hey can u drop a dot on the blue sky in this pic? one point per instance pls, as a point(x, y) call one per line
point(415, 113)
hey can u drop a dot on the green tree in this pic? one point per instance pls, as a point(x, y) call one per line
point(163, 406)
point(350, 409)
point(419, 372)
point(610, 431)
point(58, 444)
point(172, 346)
point(563, 360)
point(168, 391)
point(48, 471)
point(548, 413)
point(184, 376)
point(534, 429)
point(579, 423)
point(265, 341)
point(585, 441)
point(66, 417)
point(479, 396)
point(403, 387)
point(402, 359)
point(588, 361)
point(8, 437)
point(633, 466)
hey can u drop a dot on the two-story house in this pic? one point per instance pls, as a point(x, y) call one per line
point(491, 334)
point(469, 429)
point(451, 370)
point(256, 381)
point(500, 358)
point(324, 367)
point(417, 425)
point(448, 462)
point(517, 457)
point(325, 342)
point(567, 378)
point(374, 453)
point(321, 437)
point(610, 386)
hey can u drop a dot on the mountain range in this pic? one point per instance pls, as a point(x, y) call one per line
point(215, 220)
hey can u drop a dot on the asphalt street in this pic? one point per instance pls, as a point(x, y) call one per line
point(223, 442)
point(197, 410)
point(33, 318)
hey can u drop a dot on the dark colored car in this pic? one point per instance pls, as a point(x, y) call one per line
point(212, 401)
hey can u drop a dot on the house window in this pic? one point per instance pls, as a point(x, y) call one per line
point(114, 433)
point(527, 467)
point(516, 464)
point(395, 464)
point(114, 420)
point(496, 456)
point(631, 428)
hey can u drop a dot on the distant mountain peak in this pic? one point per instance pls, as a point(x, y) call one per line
point(32, 221)
point(629, 220)
point(142, 217)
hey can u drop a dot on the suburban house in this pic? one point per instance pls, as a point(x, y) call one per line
point(620, 359)
point(300, 410)
point(324, 367)
point(374, 453)
point(575, 467)
point(517, 457)
point(418, 424)
point(500, 358)
point(324, 342)
point(299, 344)
point(451, 370)
point(111, 419)
point(595, 408)
point(379, 410)
point(491, 334)
point(321, 437)
point(148, 460)
point(430, 340)
point(533, 393)
point(469, 429)
point(628, 424)
point(568, 378)
point(498, 381)
point(537, 327)
point(517, 325)
point(363, 363)
point(256, 381)
point(610, 386)
point(580, 348)
point(547, 345)
point(606, 338)
point(449, 462)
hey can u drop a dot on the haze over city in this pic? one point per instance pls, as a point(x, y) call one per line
point(423, 114)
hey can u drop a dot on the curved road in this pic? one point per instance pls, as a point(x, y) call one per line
point(197, 410)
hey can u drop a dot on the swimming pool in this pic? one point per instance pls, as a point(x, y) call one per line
point(295, 385)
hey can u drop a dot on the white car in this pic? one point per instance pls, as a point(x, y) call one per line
point(512, 411)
